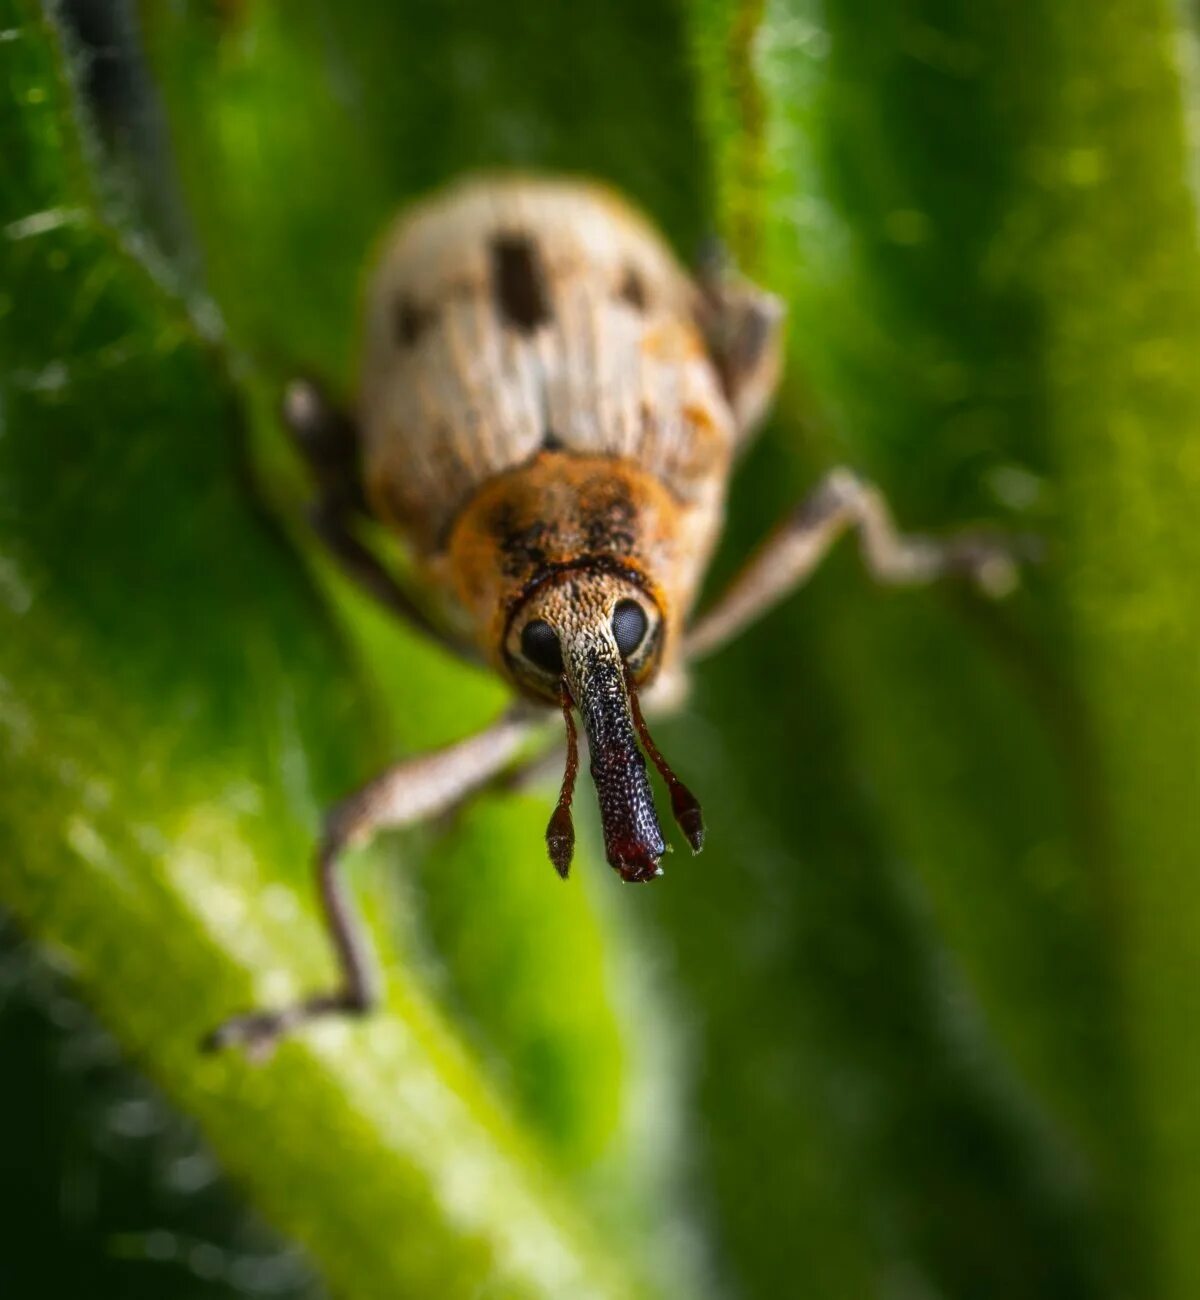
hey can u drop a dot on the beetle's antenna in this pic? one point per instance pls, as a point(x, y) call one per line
point(560, 833)
point(684, 803)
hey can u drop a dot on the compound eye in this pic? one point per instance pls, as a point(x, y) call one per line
point(539, 644)
point(629, 625)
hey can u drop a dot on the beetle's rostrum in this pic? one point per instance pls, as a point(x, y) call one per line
point(548, 412)
point(596, 634)
point(633, 840)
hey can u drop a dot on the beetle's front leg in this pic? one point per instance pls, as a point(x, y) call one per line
point(744, 328)
point(841, 502)
point(327, 438)
point(411, 791)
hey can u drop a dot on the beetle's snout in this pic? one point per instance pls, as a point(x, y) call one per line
point(590, 641)
point(633, 839)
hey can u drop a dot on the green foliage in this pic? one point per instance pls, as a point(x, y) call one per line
point(920, 1019)
point(176, 710)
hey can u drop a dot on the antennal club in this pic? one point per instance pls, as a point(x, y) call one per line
point(560, 833)
point(684, 803)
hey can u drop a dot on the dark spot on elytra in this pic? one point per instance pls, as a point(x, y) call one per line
point(519, 283)
point(410, 321)
point(633, 289)
point(551, 441)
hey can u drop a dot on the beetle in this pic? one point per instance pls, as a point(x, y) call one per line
point(548, 414)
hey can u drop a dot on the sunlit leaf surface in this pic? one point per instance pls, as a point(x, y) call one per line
point(920, 1020)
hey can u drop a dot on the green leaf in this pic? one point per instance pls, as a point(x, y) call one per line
point(934, 979)
point(983, 218)
point(285, 213)
point(175, 709)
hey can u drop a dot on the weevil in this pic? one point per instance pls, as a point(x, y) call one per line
point(549, 410)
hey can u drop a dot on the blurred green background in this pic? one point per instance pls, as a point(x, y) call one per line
point(921, 1020)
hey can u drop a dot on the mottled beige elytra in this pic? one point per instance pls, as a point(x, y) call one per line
point(548, 413)
point(471, 390)
point(510, 318)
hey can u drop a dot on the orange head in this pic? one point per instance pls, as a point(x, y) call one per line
point(566, 565)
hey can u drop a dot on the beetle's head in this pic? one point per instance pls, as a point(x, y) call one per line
point(592, 637)
point(571, 569)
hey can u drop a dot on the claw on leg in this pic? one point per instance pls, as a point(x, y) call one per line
point(258, 1032)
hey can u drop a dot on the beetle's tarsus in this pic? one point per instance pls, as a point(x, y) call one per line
point(992, 561)
point(989, 562)
point(258, 1032)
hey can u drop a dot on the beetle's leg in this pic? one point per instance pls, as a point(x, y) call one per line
point(408, 792)
point(327, 437)
point(744, 328)
point(843, 501)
